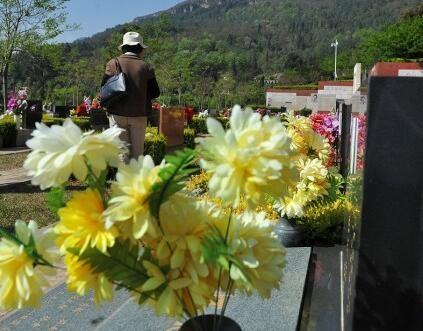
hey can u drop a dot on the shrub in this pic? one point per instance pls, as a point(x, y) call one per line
point(306, 112)
point(50, 120)
point(323, 222)
point(199, 125)
point(189, 137)
point(255, 107)
point(152, 130)
point(224, 121)
point(8, 131)
point(155, 145)
point(83, 123)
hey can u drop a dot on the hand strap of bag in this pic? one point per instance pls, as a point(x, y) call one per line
point(118, 67)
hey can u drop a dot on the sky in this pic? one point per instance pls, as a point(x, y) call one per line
point(97, 15)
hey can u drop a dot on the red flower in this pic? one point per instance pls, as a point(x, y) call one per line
point(189, 113)
point(81, 110)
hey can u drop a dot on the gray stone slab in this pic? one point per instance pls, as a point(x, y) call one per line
point(64, 311)
point(281, 312)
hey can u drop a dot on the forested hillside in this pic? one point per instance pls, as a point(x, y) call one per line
point(212, 52)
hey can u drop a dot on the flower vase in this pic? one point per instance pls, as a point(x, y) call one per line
point(210, 323)
point(17, 119)
point(288, 233)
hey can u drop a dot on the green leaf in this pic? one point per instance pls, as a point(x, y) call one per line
point(9, 236)
point(216, 251)
point(56, 199)
point(173, 176)
point(122, 264)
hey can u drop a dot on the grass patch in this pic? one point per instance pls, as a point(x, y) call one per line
point(12, 161)
point(26, 202)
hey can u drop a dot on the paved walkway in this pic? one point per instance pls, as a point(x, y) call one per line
point(13, 150)
point(14, 176)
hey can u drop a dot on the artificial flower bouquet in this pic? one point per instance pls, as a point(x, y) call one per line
point(315, 205)
point(17, 102)
point(144, 232)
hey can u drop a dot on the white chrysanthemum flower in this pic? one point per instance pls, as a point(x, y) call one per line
point(253, 242)
point(129, 202)
point(250, 159)
point(60, 151)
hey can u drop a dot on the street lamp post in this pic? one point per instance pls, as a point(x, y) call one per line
point(335, 44)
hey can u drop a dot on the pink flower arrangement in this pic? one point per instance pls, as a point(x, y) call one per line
point(17, 103)
point(362, 132)
point(327, 125)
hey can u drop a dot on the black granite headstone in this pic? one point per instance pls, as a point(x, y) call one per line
point(346, 111)
point(389, 283)
point(61, 111)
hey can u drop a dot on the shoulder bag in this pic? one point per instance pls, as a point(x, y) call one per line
point(114, 89)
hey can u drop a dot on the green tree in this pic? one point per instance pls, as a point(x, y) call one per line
point(23, 23)
point(402, 40)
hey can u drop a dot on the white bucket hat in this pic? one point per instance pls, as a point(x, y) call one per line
point(132, 39)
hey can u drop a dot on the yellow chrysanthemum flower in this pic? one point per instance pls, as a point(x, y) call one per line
point(21, 281)
point(83, 225)
point(305, 140)
point(82, 278)
point(248, 159)
point(129, 201)
point(317, 146)
point(313, 176)
point(312, 184)
point(169, 301)
point(183, 221)
point(252, 241)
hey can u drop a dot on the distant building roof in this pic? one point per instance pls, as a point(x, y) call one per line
point(324, 83)
point(393, 69)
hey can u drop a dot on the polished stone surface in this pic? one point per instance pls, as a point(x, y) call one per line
point(64, 311)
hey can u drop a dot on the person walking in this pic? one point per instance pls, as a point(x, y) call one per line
point(130, 112)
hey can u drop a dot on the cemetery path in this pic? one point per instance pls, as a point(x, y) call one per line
point(14, 176)
point(14, 150)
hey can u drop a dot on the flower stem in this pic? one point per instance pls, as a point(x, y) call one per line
point(219, 281)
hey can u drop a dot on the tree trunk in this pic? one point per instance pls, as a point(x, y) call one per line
point(4, 81)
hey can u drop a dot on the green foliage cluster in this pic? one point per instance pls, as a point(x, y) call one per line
point(82, 122)
point(155, 145)
point(189, 138)
point(8, 131)
point(225, 54)
point(199, 124)
point(323, 222)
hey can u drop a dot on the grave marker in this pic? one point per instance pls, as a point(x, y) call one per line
point(389, 282)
